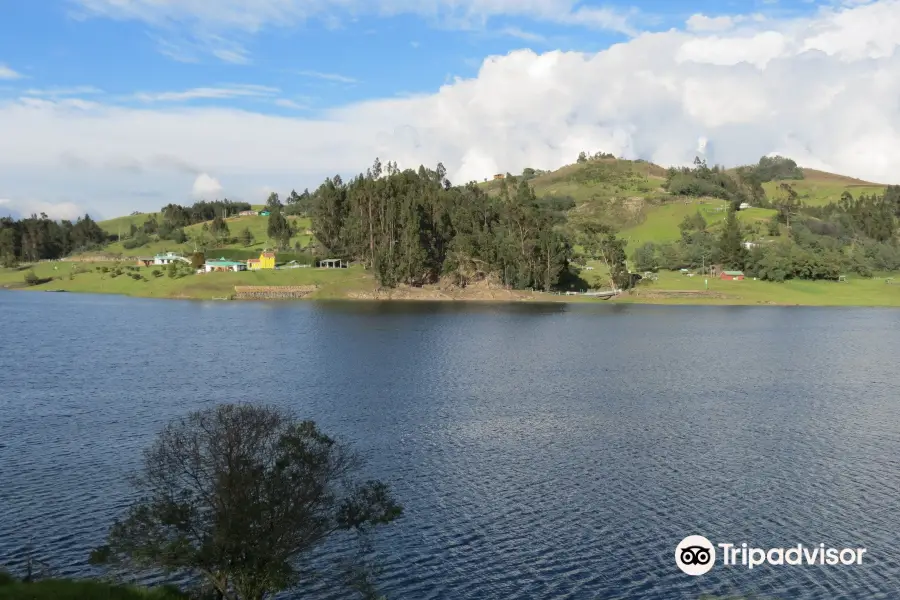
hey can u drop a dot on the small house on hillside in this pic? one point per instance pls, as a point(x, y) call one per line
point(247, 213)
point(266, 260)
point(144, 261)
point(499, 176)
point(223, 264)
point(168, 258)
point(263, 213)
point(732, 275)
point(332, 263)
point(743, 206)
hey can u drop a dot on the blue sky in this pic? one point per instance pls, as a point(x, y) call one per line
point(332, 58)
point(122, 104)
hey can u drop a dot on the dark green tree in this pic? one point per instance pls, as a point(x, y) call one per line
point(247, 237)
point(273, 203)
point(279, 229)
point(219, 227)
point(241, 496)
point(645, 257)
point(731, 251)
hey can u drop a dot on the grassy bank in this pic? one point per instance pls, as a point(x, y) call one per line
point(671, 288)
point(65, 589)
point(333, 283)
point(856, 291)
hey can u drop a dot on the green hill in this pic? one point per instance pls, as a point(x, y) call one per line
point(630, 195)
point(256, 224)
point(818, 188)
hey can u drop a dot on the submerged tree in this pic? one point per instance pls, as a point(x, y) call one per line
point(238, 495)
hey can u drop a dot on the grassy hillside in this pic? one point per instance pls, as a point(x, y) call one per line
point(661, 223)
point(256, 224)
point(333, 283)
point(122, 225)
point(818, 188)
point(630, 195)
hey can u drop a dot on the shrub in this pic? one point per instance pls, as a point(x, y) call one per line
point(156, 273)
point(31, 278)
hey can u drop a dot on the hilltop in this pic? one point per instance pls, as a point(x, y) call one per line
point(630, 195)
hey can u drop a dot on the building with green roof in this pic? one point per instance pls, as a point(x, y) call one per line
point(223, 264)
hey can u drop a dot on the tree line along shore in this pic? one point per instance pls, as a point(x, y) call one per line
point(657, 235)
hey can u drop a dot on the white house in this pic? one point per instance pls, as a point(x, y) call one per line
point(168, 258)
point(743, 206)
point(223, 264)
point(749, 245)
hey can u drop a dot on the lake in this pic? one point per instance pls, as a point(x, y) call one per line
point(540, 451)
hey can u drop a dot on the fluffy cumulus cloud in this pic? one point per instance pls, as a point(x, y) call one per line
point(206, 187)
point(822, 90)
point(21, 208)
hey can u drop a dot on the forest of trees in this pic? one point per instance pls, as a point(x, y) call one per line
point(39, 237)
point(413, 227)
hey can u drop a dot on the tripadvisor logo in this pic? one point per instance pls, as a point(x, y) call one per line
point(696, 555)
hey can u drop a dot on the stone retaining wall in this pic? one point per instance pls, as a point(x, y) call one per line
point(272, 292)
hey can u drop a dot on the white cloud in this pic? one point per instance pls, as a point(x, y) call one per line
point(286, 103)
point(56, 92)
point(825, 93)
point(700, 22)
point(27, 207)
point(213, 26)
point(206, 187)
point(207, 93)
point(336, 77)
point(8, 73)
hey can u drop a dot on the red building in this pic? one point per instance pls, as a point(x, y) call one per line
point(732, 275)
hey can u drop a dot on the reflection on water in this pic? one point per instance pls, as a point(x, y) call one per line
point(541, 450)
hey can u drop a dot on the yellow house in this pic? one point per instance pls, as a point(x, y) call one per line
point(266, 260)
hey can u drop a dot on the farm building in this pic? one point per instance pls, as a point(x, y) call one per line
point(247, 213)
point(266, 260)
point(223, 264)
point(732, 275)
point(499, 176)
point(168, 258)
point(332, 263)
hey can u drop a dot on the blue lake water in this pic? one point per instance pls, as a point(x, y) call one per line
point(540, 451)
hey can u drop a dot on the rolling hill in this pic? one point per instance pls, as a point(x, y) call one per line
point(628, 194)
point(256, 224)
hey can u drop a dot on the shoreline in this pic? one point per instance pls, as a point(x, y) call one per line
point(358, 285)
point(523, 298)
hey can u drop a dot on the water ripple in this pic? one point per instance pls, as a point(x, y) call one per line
point(553, 453)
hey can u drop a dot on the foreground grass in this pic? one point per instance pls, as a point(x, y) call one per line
point(64, 589)
point(333, 283)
